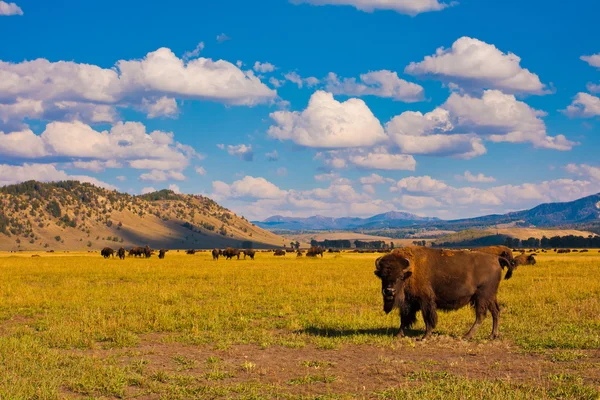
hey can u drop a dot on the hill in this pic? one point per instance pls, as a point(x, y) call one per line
point(71, 215)
point(390, 219)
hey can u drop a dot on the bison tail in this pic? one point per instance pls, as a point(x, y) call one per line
point(506, 263)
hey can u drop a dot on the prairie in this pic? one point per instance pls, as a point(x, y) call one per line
point(74, 325)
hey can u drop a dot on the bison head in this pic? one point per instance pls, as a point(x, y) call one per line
point(531, 260)
point(393, 270)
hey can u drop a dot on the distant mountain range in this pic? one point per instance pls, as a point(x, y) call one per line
point(585, 211)
point(392, 219)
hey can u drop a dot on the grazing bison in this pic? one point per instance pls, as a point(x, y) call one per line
point(136, 251)
point(161, 253)
point(190, 251)
point(420, 278)
point(524, 259)
point(121, 253)
point(250, 253)
point(216, 254)
point(299, 253)
point(147, 251)
point(107, 252)
point(314, 251)
point(230, 252)
point(279, 252)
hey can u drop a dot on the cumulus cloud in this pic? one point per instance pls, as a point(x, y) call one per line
point(244, 152)
point(479, 178)
point(147, 190)
point(584, 170)
point(121, 178)
point(96, 165)
point(264, 67)
point(327, 123)
point(584, 105)
point(174, 188)
point(7, 9)
point(249, 186)
point(161, 176)
point(299, 81)
point(593, 60)
point(200, 171)
point(384, 161)
point(593, 88)
point(376, 83)
point(375, 179)
point(194, 53)
point(272, 156)
point(408, 7)
point(474, 65)
point(41, 89)
point(10, 174)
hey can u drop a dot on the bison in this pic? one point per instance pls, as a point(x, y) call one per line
point(107, 252)
point(121, 253)
point(161, 253)
point(216, 253)
point(524, 259)
point(250, 253)
point(136, 251)
point(279, 252)
point(147, 251)
point(190, 251)
point(230, 252)
point(425, 279)
point(314, 251)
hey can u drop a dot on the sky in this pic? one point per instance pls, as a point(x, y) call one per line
point(307, 107)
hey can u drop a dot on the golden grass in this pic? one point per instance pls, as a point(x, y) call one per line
point(55, 303)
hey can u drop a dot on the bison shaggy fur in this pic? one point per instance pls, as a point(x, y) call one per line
point(425, 279)
point(107, 252)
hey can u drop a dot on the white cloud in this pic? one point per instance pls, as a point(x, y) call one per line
point(194, 53)
point(244, 152)
point(479, 178)
point(327, 123)
point(376, 83)
point(174, 188)
point(68, 90)
point(264, 67)
point(375, 179)
point(408, 7)
point(24, 144)
point(384, 161)
point(222, 38)
point(161, 176)
point(585, 170)
point(162, 107)
point(146, 190)
point(593, 60)
point(272, 156)
point(276, 82)
point(593, 88)
point(473, 64)
point(200, 171)
point(298, 80)
point(420, 184)
point(584, 105)
point(10, 174)
point(417, 202)
point(96, 165)
point(370, 189)
point(7, 9)
point(121, 178)
point(249, 186)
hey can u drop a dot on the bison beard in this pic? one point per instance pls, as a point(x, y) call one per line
point(418, 278)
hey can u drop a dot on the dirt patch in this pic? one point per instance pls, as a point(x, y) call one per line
point(353, 369)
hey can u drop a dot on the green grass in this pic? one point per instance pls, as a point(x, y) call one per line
point(56, 312)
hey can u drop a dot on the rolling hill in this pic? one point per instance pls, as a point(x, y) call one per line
point(79, 216)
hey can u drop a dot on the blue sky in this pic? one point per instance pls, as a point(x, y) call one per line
point(355, 107)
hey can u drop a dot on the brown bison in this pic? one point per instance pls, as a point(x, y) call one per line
point(425, 279)
point(136, 251)
point(524, 259)
point(107, 252)
point(279, 252)
point(190, 251)
point(314, 251)
point(299, 253)
point(147, 251)
point(215, 254)
point(161, 253)
point(250, 253)
point(230, 252)
point(121, 253)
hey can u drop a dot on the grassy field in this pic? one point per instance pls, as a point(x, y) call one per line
point(78, 326)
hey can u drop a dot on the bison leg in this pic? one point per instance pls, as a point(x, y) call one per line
point(430, 317)
point(408, 316)
point(494, 308)
point(480, 309)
